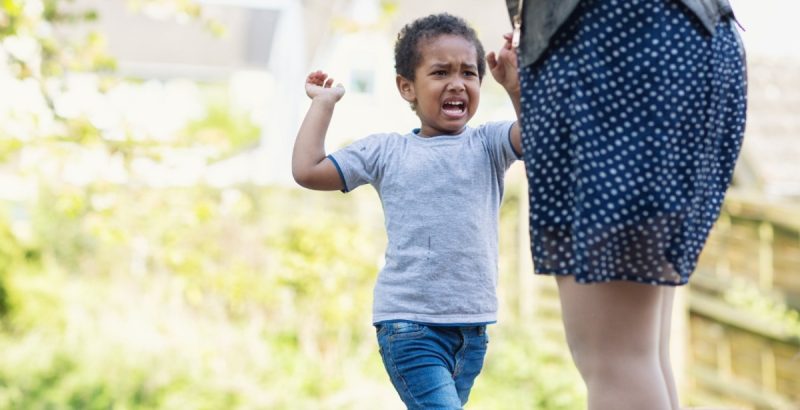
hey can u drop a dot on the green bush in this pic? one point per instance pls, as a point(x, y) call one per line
point(205, 299)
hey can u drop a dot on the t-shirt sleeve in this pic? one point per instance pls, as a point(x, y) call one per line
point(498, 141)
point(360, 162)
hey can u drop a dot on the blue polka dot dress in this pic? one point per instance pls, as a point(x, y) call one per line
point(632, 121)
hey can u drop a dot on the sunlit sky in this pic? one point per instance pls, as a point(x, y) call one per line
point(771, 26)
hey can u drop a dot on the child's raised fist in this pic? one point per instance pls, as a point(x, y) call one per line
point(318, 84)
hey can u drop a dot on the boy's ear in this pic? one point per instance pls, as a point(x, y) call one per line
point(406, 88)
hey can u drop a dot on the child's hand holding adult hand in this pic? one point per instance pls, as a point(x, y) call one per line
point(319, 85)
point(503, 66)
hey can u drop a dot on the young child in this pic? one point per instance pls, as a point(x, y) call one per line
point(440, 186)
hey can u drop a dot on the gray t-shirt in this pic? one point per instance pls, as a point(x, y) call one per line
point(441, 200)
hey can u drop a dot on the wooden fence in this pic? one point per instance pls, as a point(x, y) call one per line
point(744, 329)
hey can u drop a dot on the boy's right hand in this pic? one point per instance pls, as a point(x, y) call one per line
point(319, 85)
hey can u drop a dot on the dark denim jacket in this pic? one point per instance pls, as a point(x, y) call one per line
point(541, 19)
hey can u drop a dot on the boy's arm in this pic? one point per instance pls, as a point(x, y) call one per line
point(310, 166)
point(503, 66)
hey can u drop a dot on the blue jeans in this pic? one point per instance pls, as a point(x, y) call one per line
point(432, 367)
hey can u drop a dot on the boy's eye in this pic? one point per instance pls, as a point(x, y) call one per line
point(470, 73)
point(440, 72)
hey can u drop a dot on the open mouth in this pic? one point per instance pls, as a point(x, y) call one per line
point(454, 108)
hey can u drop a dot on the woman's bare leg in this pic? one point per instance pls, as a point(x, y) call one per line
point(613, 332)
point(667, 298)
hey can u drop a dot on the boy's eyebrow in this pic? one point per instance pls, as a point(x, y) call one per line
point(440, 65)
point(447, 65)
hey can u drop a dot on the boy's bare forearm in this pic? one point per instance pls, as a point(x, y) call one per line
point(514, 95)
point(503, 65)
point(309, 147)
point(310, 168)
point(516, 130)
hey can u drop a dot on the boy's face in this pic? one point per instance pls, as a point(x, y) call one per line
point(446, 88)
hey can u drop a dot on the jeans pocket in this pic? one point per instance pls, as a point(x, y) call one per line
point(405, 330)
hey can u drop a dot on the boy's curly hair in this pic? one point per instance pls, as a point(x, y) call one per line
point(406, 48)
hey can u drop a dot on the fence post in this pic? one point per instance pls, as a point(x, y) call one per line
point(769, 379)
point(765, 267)
point(528, 294)
point(724, 357)
point(723, 265)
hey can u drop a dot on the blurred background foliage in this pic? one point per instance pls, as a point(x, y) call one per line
point(206, 299)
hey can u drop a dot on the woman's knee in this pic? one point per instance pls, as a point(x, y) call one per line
point(616, 363)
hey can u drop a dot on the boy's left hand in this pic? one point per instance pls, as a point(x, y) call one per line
point(503, 66)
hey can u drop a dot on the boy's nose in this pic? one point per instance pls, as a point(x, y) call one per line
point(455, 85)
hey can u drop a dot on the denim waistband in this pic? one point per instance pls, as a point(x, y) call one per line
point(467, 328)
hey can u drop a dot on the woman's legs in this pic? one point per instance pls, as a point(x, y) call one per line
point(614, 333)
point(667, 298)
